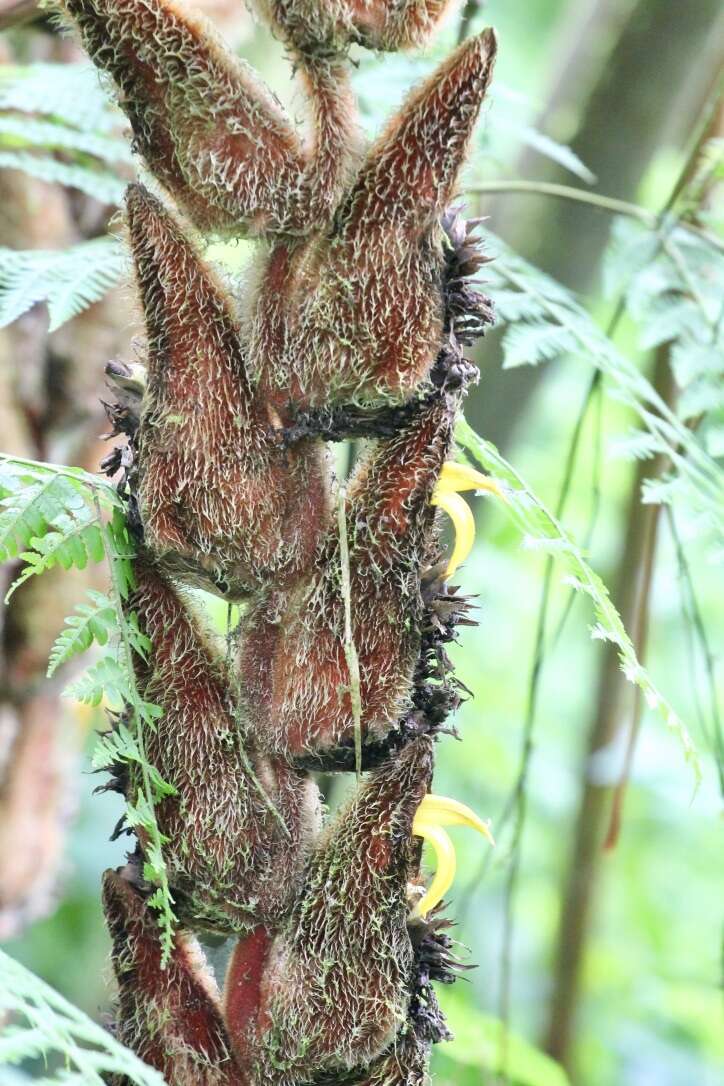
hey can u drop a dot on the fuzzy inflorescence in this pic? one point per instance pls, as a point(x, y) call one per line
point(355, 325)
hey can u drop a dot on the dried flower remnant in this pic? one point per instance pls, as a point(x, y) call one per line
point(238, 824)
point(220, 499)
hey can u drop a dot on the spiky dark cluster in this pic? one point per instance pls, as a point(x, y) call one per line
point(353, 325)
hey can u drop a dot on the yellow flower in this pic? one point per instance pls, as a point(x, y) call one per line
point(455, 477)
point(434, 813)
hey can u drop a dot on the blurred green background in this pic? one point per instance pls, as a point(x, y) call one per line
point(605, 95)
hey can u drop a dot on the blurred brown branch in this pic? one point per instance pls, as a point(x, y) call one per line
point(18, 12)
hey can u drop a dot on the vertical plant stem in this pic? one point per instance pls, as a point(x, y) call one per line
point(156, 837)
point(350, 651)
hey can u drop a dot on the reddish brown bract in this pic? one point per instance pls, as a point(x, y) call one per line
point(239, 824)
point(357, 314)
point(338, 980)
point(334, 24)
point(295, 676)
point(168, 1016)
point(220, 498)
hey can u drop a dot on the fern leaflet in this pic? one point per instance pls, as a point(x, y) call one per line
point(41, 1023)
point(78, 97)
point(66, 517)
point(94, 621)
point(542, 531)
point(69, 280)
point(100, 184)
point(700, 477)
point(21, 132)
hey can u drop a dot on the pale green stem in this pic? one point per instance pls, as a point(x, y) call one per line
point(350, 651)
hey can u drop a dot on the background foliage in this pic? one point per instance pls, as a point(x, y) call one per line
point(593, 312)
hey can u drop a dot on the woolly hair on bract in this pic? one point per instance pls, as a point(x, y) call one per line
point(356, 315)
point(406, 1064)
point(293, 669)
point(209, 128)
point(239, 824)
point(220, 499)
point(337, 982)
point(334, 24)
point(169, 1016)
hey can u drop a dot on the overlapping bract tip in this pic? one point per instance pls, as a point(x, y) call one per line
point(235, 846)
point(292, 663)
point(168, 1015)
point(219, 497)
point(205, 123)
point(348, 935)
point(412, 169)
point(363, 316)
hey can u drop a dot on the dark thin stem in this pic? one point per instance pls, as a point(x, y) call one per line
point(471, 9)
point(594, 199)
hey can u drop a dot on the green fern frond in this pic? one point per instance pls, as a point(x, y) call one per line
point(628, 252)
point(72, 545)
point(542, 531)
point(78, 99)
point(529, 344)
point(40, 1023)
point(100, 184)
point(702, 476)
point(69, 280)
point(19, 132)
point(104, 679)
point(120, 747)
point(65, 516)
point(554, 151)
point(49, 515)
point(94, 621)
point(512, 306)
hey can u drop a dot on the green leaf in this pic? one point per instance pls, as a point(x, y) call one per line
point(104, 678)
point(44, 1024)
point(531, 344)
point(556, 152)
point(702, 478)
point(480, 1040)
point(69, 280)
point(100, 184)
point(91, 622)
point(77, 99)
point(17, 132)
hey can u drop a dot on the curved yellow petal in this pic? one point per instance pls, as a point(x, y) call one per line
point(463, 522)
point(455, 477)
point(432, 815)
point(445, 861)
point(443, 811)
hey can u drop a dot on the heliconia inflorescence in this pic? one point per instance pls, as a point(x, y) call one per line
point(353, 324)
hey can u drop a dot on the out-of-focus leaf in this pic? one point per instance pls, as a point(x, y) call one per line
point(480, 1042)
